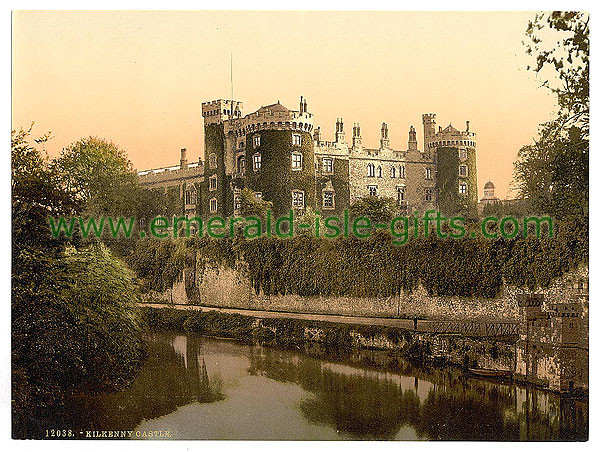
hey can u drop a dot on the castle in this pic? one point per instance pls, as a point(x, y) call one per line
point(281, 156)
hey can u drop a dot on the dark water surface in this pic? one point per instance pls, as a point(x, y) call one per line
point(200, 388)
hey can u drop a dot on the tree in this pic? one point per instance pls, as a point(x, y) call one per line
point(100, 175)
point(559, 42)
point(74, 323)
point(36, 194)
point(553, 173)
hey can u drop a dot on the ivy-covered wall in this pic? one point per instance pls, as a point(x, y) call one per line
point(373, 267)
point(450, 201)
point(276, 179)
point(339, 181)
point(214, 142)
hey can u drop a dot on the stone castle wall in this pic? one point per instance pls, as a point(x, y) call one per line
point(230, 288)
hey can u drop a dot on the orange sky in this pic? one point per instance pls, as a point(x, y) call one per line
point(139, 78)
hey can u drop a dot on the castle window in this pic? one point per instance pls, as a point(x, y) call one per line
point(402, 171)
point(427, 173)
point(241, 164)
point(370, 170)
point(212, 161)
point(258, 195)
point(393, 172)
point(328, 200)
point(462, 188)
point(328, 165)
point(256, 161)
point(401, 201)
point(400, 191)
point(237, 204)
point(296, 161)
point(242, 144)
point(372, 190)
point(212, 182)
point(296, 139)
point(379, 171)
point(463, 171)
point(213, 205)
point(142, 222)
point(463, 154)
point(256, 140)
point(428, 194)
point(190, 197)
point(298, 199)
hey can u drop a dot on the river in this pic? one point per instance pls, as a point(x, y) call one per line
point(202, 388)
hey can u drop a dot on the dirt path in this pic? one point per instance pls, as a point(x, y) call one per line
point(400, 323)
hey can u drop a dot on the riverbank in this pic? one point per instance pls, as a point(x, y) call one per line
point(283, 330)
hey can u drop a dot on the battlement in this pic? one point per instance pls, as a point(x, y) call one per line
point(271, 117)
point(218, 111)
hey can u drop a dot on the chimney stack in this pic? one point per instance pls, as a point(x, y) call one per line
point(183, 160)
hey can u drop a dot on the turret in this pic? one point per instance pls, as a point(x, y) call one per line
point(317, 135)
point(428, 129)
point(385, 139)
point(412, 139)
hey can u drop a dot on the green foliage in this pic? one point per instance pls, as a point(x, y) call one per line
point(97, 172)
point(75, 328)
point(209, 323)
point(553, 173)
point(374, 267)
point(450, 201)
point(560, 43)
point(253, 206)
point(378, 210)
point(36, 194)
point(275, 179)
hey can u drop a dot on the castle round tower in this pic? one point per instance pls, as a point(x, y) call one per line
point(454, 152)
point(279, 156)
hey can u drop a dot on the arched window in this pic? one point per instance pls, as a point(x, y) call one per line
point(393, 172)
point(370, 170)
point(402, 172)
point(190, 195)
point(212, 161)
point(213, 205)
point(379, 171)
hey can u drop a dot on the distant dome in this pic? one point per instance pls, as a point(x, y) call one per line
point(489, 184)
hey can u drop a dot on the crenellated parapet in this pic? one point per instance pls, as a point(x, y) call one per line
point(272, 117)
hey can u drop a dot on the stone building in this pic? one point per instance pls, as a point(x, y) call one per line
point(489, 197)
point(553, 345)
point(283, 158)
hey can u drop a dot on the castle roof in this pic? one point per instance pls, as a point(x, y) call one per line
point(489, 184)
point(273, 108)
point(450, 128)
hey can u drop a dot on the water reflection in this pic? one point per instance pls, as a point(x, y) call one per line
point(202, 388)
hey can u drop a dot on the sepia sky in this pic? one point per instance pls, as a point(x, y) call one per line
point(139, 78)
